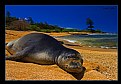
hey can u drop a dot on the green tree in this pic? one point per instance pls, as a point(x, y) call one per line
point(33, 28)
point(8, 20)
point(8, 14)
point(30, 20)
point(18, 25)
point(90, 23)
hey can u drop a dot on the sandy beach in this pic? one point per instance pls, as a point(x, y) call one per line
point(100, 64)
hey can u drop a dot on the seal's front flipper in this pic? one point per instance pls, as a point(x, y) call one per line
point(19, 55)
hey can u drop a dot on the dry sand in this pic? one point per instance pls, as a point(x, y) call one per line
point(100, 64)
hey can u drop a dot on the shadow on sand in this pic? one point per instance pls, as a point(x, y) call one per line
point(79, 76)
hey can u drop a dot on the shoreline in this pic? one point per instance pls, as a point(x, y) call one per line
point(89, 41)
point(86, 47)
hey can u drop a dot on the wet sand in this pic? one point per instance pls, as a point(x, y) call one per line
point(100, 64)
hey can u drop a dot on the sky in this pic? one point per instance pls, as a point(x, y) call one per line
point(105, 17)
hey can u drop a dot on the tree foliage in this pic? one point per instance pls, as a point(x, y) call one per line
point(8, 14)
point(10, 19)
point(30, 20)
point(90, 23)
point(18, 25)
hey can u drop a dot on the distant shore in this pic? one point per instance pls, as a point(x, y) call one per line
point(51, 34)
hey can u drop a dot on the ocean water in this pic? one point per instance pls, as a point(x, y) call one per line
point(94, 40)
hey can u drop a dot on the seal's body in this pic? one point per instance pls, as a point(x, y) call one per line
point(44, 49)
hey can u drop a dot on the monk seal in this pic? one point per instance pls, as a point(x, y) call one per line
point(43, 49)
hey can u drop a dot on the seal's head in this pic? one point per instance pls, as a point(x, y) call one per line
point(71, 61)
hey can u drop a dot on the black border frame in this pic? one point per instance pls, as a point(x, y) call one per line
point(45, 2)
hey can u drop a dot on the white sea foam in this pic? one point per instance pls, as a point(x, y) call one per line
point(113, 47)
point(103, 34)
point(72, 41)
point(108, 47)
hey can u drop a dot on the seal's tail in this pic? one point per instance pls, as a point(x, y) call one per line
point(7, 57)
point(10, 58)
point(5, 45)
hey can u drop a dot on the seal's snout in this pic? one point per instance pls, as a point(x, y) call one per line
point(76, 64)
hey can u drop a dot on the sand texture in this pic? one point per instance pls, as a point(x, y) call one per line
point(99, 64)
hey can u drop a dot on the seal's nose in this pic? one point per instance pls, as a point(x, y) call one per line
point(77, 64)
